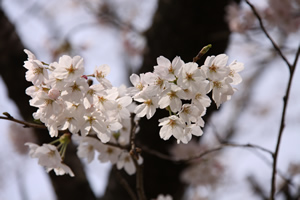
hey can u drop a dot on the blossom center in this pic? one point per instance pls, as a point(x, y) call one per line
point(75, 87)
point(148, 102)
point(198, 96)
point(189, 76)
point(127, 159)
point(159, 82)
point(217, 84)
point(213, 68)
point(48, 102)
point(71, 69)
point(101, 99)
point(172, 123)
point(140, 86)
point(186, 110)
point(90, 119)
point(51, 153)
point(172, 94)
point(100, 74)
point(38, 70)
point(171, 70)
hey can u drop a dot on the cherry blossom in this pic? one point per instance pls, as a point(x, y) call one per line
point(69, 68)
point(148, 106)
point(125, 161)
point(98, 116)
point(171, 126)
point(215, 67)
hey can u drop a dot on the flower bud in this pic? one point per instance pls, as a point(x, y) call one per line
point(53, 93)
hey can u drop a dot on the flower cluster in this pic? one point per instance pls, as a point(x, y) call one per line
point(99, 115)
point(171, 83)
point(66, 102)
point(49, 156)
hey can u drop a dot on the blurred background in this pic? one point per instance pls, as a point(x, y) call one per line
point(129, 35)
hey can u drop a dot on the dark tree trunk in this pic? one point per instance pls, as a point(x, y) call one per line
point(12, 71)
point(179, 28)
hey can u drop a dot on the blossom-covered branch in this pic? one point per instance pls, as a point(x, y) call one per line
point(103, 118)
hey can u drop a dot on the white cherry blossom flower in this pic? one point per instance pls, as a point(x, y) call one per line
point(62, 169)
point(47, 105)
point(93, 122)
point(32, 148)
point(100, 73)
point(156, 84)
point(111, 125)
point(222, 91)
point(215, 67)
point(109, 153)
point(75, 90)
point(200, 98)
point(47, 154)
point(106, 100)
point(69, 68)
point(123, 135)
point(91, 95)
point(190, 112)
point(55, 82)
point(234, 68)
point(87, 148)
point(123, 112)
point(167, 70)
point(125, 161)
point(148, 106)
point(138, 82)
point(171, 126)
point(190, 76)
point(194, 129)
point(172, 97)
point(37, 73)
point(32, 91)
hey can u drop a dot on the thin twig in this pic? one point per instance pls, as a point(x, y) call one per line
point(139, 179)
point(26, 124)
point(267, 34)
point(225, 144)
point(125, 184)
point(296, 58)
point(285, 99)
point(134, 153)
point(282, 125)
point(249, 146)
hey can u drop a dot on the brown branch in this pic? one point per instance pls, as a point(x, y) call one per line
point(268, 35)
point(282, 125)
point(248, 146)
point(26, 124)
point(296, 57)
point(285, 99)
point(134, 153)
point(224, 144)
point(139, 179)
point(125, 184)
